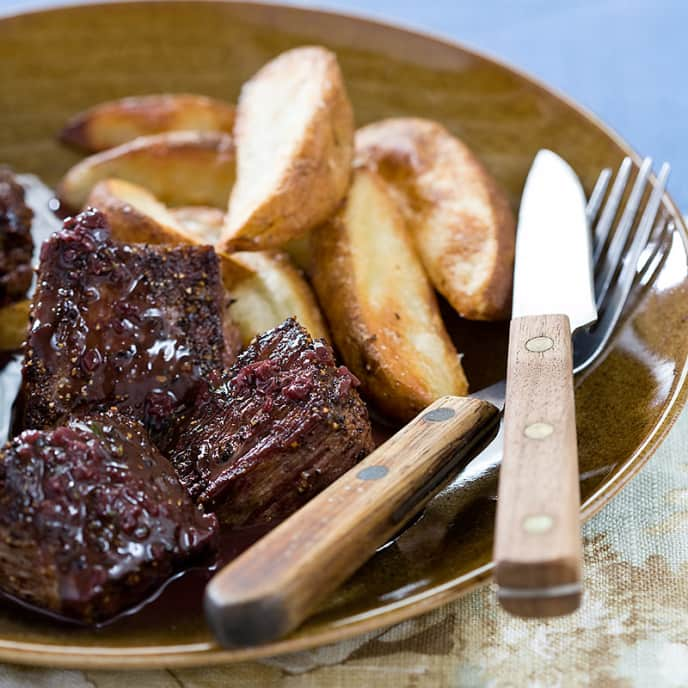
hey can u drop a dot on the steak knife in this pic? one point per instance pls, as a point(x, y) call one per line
point(538, 549)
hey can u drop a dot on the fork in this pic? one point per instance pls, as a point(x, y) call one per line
point(275, 584)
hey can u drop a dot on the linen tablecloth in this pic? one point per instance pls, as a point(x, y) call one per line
point(632, 628)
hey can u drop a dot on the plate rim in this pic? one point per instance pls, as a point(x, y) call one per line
point(207, 654)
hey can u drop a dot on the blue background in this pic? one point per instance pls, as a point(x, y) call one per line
point(623, 59)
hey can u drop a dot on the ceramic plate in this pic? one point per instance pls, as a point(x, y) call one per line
point(58, 62)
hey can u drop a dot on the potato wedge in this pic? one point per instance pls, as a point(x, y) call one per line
point(460, 219)
point(200, 220)
point(179, 168)
point(14, 322)
point(294, 135)
point(113, 123)
point(379, 303)
point(300, 252)
point(275, 292)
point(136, 216)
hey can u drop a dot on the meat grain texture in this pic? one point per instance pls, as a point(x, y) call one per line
point(284, 423)
point(126, 358)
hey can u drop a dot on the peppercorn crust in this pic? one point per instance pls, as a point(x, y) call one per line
point(129, 326)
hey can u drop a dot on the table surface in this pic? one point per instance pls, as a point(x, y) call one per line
point(620, 58)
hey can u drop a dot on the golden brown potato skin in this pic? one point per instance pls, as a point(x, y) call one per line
point(115, 122)
point(275, 291)
point(135, 215)
point(460, 219)
point(380, 306)
point(179, 168)
point(293, 158)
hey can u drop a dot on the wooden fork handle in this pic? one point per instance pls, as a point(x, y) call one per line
point(538, 551)
point(273, 586)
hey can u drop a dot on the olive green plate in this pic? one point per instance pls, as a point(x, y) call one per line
point(57, 62)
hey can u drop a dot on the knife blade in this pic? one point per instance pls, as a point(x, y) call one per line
point(553, 265)
point(538, 551)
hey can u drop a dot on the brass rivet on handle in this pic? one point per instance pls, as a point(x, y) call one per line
point(539, 344)
point(538, 431)
point(536, 524)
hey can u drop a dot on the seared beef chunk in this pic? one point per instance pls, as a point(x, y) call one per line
point(284, 423)
point(92, 518)
point(16, 245)
point(133, 327)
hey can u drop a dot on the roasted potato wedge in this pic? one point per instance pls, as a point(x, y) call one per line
point(300, 252)
point(136, 216)
point(294, 136)
point(113, 123)
point(460, 219)
point(275, 292)
point(201, 220)
point(179, 168)
point(379, 303)
point(14, 322)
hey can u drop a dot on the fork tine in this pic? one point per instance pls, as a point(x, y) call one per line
point(614, 304)
point(611, 208)
point(623, 231)
point(597, 195)
point(645, 227)
point(645, 277)
point(658, 237)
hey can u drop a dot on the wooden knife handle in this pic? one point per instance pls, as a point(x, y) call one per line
point(538, 550)
point(273, 586)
